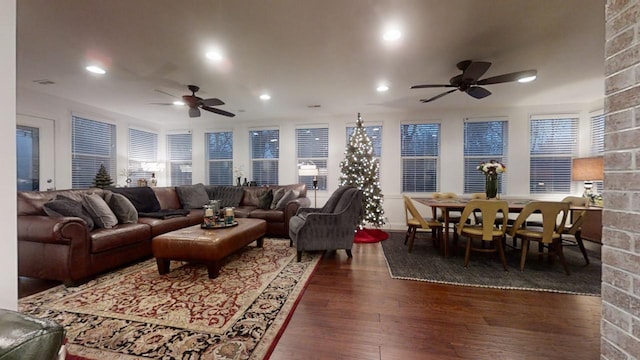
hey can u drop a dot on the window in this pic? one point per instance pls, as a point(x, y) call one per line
point(312, 147)
point(483, 141)
point(265, 152)
point(179, 156)
point(220, 157)
point(553, 145)
point(28, 158)
point(420, 151)
point(143, 154)
point(597, 145)
point(93, 143)
point(374, 133)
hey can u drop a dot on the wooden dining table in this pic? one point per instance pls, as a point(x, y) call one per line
point(458, 204)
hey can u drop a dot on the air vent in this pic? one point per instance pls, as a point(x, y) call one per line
point(313, 106)
point(44, 82)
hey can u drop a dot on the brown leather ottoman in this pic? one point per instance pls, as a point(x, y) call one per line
point(206, 245)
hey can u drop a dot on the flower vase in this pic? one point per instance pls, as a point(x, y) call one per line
point(491, 186)
point(238, 181)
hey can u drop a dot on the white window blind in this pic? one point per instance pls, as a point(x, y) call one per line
point(483, 141)
point(312, 147)
point(143, 150)
point(420, 153)
point(220, 157)
point(374, 133)
point(597, 145)
point(179, 155)
point(93, 143)
point(553, 145)
point(265, 154)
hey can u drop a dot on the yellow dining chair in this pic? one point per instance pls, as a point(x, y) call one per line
point(454, 216)
point(550, 235)
point(415, 221)
point(575, 227)
point(488, 231)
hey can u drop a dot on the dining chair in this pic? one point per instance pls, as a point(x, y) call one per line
point(549, 235)
point(575, 227)
point(454, 216)
point(415, 221)
point(488, 231)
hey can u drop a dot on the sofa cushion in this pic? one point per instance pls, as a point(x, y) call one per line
point(288, 196)
point(264, 201)
point(192, 196)
point(277, 195)
point(122, 208)
point(143, 198)
point(100, 212)
point(228, 195)
point(63, 206)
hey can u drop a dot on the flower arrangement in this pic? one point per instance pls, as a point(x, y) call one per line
point(491, 167)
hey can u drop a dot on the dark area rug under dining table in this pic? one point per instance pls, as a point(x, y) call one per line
point(426, 263)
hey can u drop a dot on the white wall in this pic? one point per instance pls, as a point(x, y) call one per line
point(8, 249)
point(451, 168)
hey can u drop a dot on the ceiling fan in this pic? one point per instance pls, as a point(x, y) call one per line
point(468, 81)
point(196, 103)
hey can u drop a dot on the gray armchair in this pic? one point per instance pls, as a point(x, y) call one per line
point(331, 227)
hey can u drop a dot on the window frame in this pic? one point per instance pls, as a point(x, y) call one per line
point(185, 165)
point(219, 163)
point(321, 162)
point(474, 180)
point(79, 181)
point(426, 157)
point(271, 176)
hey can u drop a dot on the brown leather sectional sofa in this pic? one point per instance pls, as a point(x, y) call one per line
point(62, 248)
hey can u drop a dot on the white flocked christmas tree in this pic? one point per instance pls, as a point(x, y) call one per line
point(360, 169)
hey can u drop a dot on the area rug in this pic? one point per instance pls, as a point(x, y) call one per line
point(425, 263)
point(135, 313)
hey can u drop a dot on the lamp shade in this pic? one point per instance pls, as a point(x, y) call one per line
point(587, 169)
point(308, 170)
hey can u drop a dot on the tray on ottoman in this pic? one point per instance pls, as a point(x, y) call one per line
point(209, 246)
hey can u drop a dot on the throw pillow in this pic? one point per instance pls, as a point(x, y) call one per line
point(192, 196)
point(264, 201)
point(277, 195)
point(99, 210)
point(229, 196)
point(143, 198)
point(122, 208)
point(288, 196)
point(62, 206)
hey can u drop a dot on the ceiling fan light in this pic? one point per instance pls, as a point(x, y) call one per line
point(178, 103)
point(382, 88)
point(95, 69)
point(527, 79)
point(265, 97)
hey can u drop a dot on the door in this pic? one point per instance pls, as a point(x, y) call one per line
point(35, 153)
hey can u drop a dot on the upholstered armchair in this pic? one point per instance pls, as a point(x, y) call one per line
point(331, 227)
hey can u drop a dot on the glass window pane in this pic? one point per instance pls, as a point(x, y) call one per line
point(143, 154)
point(312, 147)
point(553, 145)
point(93, 143)
point(179, 148)
point(265, 152)
point(220, 157)
point(483, 141)
point(28, 158)
point(420, 150)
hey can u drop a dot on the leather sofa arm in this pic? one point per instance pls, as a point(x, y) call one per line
point(292, 207)
point(51, 230)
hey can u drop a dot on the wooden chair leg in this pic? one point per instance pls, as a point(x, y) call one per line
point(578, 237)
point(406, 236)
point(412, 237)
point(349, 254)
point(467, 251)
point(523, 256)
point(501, 253)
point(558, 250)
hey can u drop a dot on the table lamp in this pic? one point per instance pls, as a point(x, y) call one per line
point(310, 170)
point(587, 169)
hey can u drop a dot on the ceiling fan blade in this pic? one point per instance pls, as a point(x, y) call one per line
point(218, 111)
point(478, 92)
point(475, 70)
point(431, 86)
point(514, 76)
point(194, 112)
point(162, 103)
point(165, 93)
point(212, 102)
point(437, 96)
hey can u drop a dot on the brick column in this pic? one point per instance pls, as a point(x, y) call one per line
point(620, 326)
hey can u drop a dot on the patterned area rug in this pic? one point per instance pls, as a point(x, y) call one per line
point(135, 313)
point(425, 263)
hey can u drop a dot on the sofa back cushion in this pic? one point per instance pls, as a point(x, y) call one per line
point(228, 195)
point(64, 206)
point(192, 196)
point(167, 197)
point(31, 202)
point(99, 210)
point(121, 207)
point(143, 198)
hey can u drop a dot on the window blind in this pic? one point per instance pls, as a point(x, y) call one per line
point(220, 157)
point(312, 146)
point(483, 141)
point(179, 149)
point(265, 154)
point(93, 143)
point(597, 144)
point(143, 148)
point(420, 153)
point(552, 146)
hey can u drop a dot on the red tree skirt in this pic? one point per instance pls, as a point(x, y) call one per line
point(369, 235)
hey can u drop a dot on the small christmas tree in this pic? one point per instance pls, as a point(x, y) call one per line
point(360, 169)
point(102, 179)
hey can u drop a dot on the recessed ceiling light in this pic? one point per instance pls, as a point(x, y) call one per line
point(382, 88)
point(527, 79)
point(265, 97)
point(392, 34)
point(179, 103)
point(95, 69)
point(215, 56)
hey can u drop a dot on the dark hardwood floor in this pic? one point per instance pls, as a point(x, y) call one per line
point(352, 309)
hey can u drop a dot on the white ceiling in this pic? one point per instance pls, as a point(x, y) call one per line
point(307, 52)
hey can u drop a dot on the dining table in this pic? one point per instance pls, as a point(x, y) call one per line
point(458, 204)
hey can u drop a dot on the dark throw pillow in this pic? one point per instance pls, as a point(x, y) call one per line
point(264, 201)
point(192, 196)
point(288, 196)
point(143, 198)
point(122, 208)
point(277, 195)
point(62, 206)
point(99, 210)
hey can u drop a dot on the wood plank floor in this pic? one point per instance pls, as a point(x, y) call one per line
point(352, 309)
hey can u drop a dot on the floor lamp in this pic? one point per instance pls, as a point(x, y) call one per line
point(311, 170)
point(588, 169)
